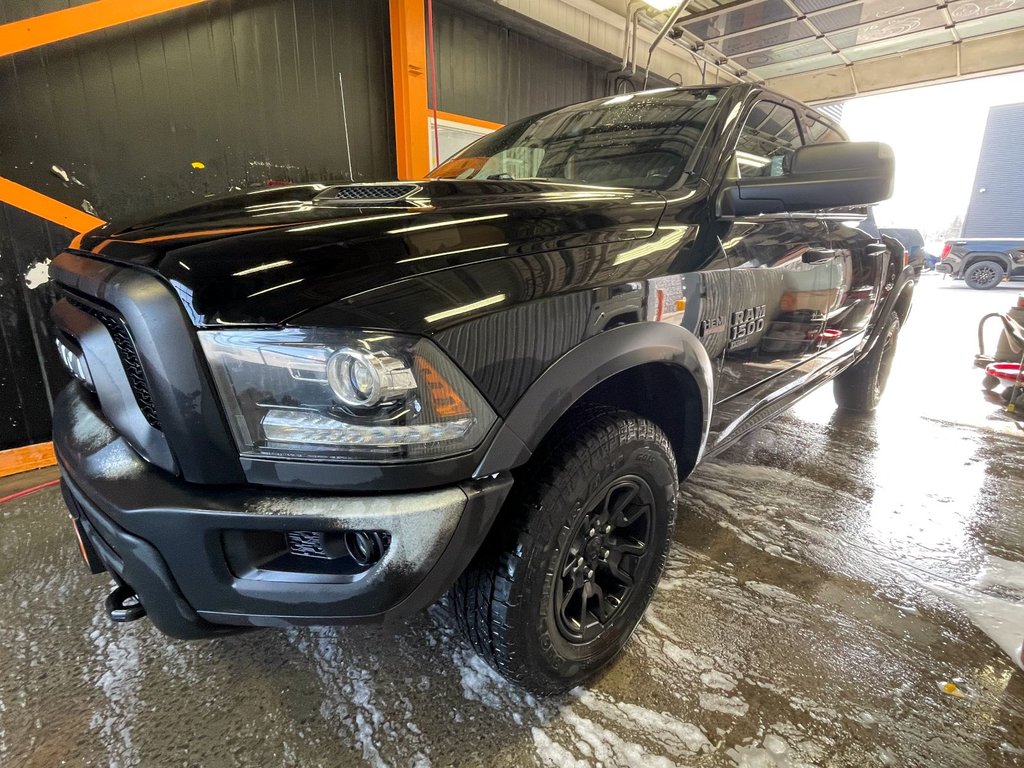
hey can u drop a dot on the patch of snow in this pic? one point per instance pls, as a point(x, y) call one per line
point(60, 173)
point(660, 727)
point(770, 590)
point(1002, 620)
point(727, 705)
point(997, 572)
point(118, 657)
point(715, 679)
point(88, 208)
point(38, 274)
point(553, 754)
point(611, 749)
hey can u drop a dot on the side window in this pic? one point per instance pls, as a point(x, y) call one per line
point(820, 133)
point(770, 135)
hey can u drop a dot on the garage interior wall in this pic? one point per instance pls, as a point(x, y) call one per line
point(210, 98)
point(201, 100)
point(488, 71)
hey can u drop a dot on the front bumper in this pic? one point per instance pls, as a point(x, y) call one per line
point(197, 555)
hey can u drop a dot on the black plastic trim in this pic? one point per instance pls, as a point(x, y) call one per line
point(164, 537)
point(186, 403)
point(584, 367)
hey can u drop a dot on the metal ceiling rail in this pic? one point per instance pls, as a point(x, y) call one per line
point(808, 17)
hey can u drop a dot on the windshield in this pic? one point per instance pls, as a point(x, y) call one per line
point(640, 140)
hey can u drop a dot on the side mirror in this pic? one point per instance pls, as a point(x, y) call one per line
point(835, 175)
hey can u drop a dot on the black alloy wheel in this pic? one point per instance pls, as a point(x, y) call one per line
point(600, 568)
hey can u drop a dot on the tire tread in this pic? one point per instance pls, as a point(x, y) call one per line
point(482, 597)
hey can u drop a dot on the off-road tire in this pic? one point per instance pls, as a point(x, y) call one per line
point(984, 275)
point(506, 600)
point(860, 387)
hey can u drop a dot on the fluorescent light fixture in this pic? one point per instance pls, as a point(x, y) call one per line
point(262, 268)
point(662, 5)
point(452, 223)
point(489, 301)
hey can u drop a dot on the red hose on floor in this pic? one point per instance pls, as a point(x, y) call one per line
point(27, 491)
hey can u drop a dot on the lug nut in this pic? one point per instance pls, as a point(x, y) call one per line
point(579, 562)
point(592, 532)
point(590, 574)
point(606, 553)
point(607, 529)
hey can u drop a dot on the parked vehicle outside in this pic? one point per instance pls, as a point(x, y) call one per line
point(983, 263)
point(913, 241)
point(331, 403)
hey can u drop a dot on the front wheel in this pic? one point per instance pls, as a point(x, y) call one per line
point(571, 565)
point(860, 387)
point(982, 275)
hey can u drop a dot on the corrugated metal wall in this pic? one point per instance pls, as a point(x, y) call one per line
point(488, 71)
point(998, 211)
point(112, 122)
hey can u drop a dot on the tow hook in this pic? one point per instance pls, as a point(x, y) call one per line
point(124, 605)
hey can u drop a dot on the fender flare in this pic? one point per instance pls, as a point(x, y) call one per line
point(904, 284)
point(581, 369)
point(1001, 258)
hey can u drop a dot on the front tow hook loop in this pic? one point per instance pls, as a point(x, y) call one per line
point(124, 605)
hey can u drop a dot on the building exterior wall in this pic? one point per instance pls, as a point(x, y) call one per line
point(996, 208)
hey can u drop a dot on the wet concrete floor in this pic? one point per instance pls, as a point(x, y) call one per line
point(830, 575)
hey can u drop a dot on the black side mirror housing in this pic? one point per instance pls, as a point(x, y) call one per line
point(835, 175)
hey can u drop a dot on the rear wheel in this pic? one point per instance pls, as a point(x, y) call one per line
point(860, 387)
point(982, 275)
point(565, 577)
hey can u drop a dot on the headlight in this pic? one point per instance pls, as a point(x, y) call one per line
point(345, 395)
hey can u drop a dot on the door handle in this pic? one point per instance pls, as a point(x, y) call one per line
point(817, 256)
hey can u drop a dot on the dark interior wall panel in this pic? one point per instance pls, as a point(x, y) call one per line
point(29, 370)
point(248, 88)
point(488, 71)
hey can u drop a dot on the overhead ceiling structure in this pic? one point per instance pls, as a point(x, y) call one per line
point(827, 50)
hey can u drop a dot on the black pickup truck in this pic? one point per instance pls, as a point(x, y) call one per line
point(332, 403)
point(983, 263)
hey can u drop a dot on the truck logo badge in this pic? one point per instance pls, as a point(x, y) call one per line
point(711, 325)
point(74, 363)
point(746, 322)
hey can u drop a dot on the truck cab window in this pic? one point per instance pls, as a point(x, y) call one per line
point(821, 133)
point(770, 135)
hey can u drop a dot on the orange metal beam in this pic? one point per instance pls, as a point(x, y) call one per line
point(18, 460)
point(409, 83)
point(91, 17)
point(29, 200)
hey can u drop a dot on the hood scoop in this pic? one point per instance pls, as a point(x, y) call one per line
point(356, 194)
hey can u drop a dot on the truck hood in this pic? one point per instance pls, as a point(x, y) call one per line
point(264, 256)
